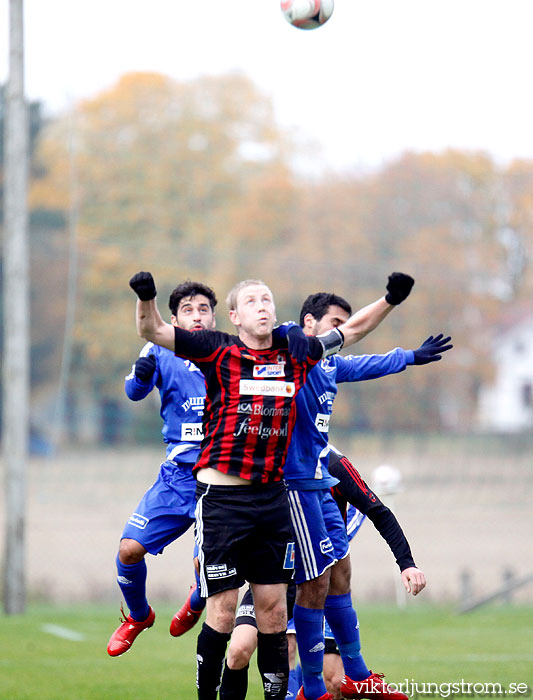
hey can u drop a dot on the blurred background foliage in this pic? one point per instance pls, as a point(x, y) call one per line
point(196, 180)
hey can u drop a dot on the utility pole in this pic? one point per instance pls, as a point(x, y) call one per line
point(15, 399)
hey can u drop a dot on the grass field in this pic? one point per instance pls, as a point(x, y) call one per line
point(423, 643)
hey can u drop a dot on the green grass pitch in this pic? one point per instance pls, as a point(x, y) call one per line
point(425, 644)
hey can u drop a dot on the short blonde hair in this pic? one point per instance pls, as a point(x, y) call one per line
point(231, 299)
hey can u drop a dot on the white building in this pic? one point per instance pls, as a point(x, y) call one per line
point(506, 405)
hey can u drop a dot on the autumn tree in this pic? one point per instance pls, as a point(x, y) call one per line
point(164, 175)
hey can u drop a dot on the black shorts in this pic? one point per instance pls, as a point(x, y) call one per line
point(243, 533)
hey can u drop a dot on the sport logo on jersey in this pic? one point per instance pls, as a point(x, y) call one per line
point(269, 371)
point(192, 431)
point(266, 388)
point(328, 364)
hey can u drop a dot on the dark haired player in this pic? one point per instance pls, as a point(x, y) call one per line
point(166, 510)
point(243, 528)
point(322, 565)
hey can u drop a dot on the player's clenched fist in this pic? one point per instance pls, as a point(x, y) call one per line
point(399, 286)
point(413, 580)
point(143, 285)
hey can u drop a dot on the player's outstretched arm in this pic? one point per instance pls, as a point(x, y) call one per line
point(150, 325)
point(364, 321)
point(413, 580)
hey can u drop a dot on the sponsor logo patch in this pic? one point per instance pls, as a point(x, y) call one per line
point(196, 403)
point(192, 431)
point(322, 422)
point(269, 371)
point(219, 571)
point(138, 521)
point(326, 396)
point(251, 409)
point(262, 431)
point(266, 388)
point(326, 546)
point(289, 556)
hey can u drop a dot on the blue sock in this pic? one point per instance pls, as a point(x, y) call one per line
point(309, 626)
point(294, 684)
point(197, 602)
point(342, 619)
point(299, 676)
point(132, 581)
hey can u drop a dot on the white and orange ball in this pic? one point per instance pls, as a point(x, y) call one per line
point(307, 14)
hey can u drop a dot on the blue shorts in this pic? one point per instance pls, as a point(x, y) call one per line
point(166, 510)
point(319, 530)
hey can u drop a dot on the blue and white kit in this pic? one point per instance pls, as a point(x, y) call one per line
point(320, 531)
point(166, 510)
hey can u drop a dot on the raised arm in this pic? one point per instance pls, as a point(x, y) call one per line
point(369, 317)
point(149, 322)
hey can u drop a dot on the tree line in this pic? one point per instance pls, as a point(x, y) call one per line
point(196, 180)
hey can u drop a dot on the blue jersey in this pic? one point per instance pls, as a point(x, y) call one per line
point(182, 390)
point(307, 459)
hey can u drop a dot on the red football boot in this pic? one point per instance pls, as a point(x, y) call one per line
point(124, 636)
point(185, 618)
point(301, 696)
point(373, 688)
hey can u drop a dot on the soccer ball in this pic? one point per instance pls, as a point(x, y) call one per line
point(386, 480)
point(307, 14)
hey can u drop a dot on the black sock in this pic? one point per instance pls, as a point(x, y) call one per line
point(273, 664)
point(234, 683)
point(210, 652)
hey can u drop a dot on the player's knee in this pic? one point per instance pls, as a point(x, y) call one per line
point(130, 551)
point(341, 577)
point(272, 618)
point(312, 594)
point(220, 611)
point(239, 655)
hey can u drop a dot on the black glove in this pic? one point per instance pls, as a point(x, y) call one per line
point(145, 368)
point(431, 349)
point(143, 285)
point(298, 343)
point(398, 288)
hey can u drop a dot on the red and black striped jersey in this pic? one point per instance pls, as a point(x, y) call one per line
point(249, 410)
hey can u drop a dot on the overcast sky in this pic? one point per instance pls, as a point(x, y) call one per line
point(380, 77)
